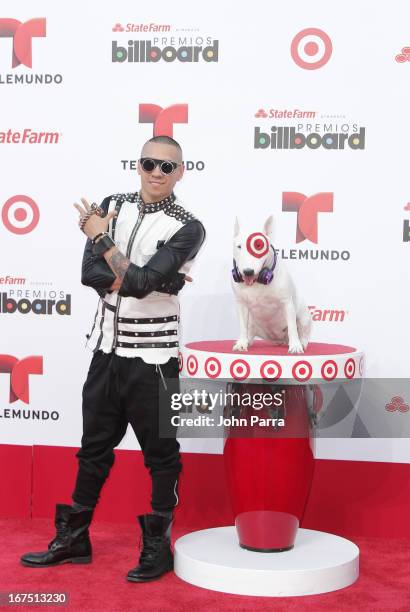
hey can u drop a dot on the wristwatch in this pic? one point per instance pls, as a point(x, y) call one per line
point(103, 244)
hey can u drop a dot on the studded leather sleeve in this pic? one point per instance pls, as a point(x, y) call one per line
point(163, 267)
point(95, 271)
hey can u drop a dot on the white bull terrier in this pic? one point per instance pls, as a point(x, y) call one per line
point(268, 304)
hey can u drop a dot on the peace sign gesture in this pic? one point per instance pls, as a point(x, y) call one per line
point(91, 220)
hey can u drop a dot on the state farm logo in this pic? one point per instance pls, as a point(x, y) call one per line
point(163, 119)
point(327, 315)
point(397, 404)
point(29, 136)
point(22, 34)
point(404, 56)
point(141, 27)
point(311, 48)
point(19, 371)
point(20, 214)
point(307, 210)
point(285, 113)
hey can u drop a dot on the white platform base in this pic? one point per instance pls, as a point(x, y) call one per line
point(320, 562)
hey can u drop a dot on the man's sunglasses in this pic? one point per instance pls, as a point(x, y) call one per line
point(167, 167)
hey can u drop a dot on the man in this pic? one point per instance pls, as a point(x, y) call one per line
point(139, 248)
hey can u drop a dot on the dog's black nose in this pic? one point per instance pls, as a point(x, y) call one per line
point(248, 272)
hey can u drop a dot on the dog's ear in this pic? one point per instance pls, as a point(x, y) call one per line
point(268, 227)
point(236, 227)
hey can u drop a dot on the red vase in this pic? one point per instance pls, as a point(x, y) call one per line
point(269, 471)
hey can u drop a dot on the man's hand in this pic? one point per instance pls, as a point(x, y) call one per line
point(95, 224)
point(116, 284)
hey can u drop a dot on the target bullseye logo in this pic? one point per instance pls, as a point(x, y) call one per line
point(192, 365)
point(329, 369)
point(257, 244)
point(302, 370)
point(311, 48)
point(180, 361)
point(350, 368)
point(20, 214)
point(212, 367)
point(239, 369)
point(271, 370)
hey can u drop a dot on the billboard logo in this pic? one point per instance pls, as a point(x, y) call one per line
point(20, 214)
point(163, 119)
point(285, 137)
point(9, 305)
point(307, 209)
point(311, 49)
point(22, 35)
point(19, 371)
point(145, 51)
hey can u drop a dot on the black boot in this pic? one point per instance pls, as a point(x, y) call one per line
point(156, 556)
point(72, 542)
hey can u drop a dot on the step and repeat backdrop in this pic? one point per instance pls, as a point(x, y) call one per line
point(298, 110)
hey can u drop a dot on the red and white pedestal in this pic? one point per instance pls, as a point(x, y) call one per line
point(323, 362)
point(269, 476)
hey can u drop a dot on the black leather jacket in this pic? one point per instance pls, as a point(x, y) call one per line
point(160, 273)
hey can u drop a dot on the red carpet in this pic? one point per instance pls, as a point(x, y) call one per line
point(384, 583)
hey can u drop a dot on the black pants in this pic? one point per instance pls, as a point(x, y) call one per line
point(118, 391)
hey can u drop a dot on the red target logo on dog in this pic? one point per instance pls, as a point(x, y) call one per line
point(257, 245)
